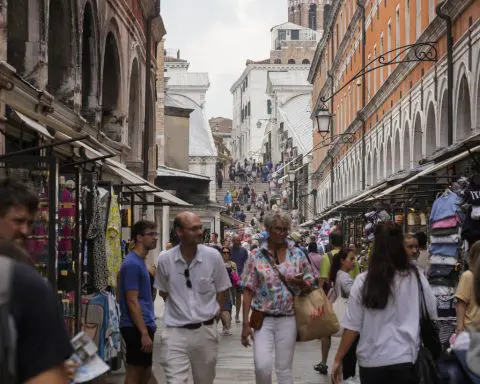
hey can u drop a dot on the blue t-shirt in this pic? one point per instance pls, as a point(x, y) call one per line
point(134, 276)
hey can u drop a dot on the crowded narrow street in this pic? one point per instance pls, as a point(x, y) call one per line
point(239, 191)
point(235, 363)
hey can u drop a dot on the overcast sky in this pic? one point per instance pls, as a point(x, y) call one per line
point(218, 36)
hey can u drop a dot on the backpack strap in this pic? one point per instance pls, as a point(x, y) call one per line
point(8, 335)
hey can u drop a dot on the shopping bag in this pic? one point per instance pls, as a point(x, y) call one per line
point(339, 307)
point(315, 316)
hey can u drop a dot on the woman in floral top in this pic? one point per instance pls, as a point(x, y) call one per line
point(266, 293)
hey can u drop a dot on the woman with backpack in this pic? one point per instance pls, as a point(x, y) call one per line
point(384, 311)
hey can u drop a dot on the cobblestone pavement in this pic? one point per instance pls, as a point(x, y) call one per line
point(235, 363)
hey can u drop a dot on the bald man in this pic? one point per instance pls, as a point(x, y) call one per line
point(193, 281)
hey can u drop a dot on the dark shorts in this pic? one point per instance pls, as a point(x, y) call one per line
point(239, 291)
point(133, 342)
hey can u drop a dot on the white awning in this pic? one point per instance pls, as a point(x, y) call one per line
point(146, 186)
point(36, 126)
point(427, 171)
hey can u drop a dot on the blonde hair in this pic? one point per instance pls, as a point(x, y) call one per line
point(473, 254)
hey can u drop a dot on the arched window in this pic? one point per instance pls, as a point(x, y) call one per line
point(278, 61)
point(305, 61)
point(89, 69)
point(60, 53)
point(291, 61)
point(134, 131)
point(112, 124)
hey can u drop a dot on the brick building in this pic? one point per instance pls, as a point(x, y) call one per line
point(397, 113)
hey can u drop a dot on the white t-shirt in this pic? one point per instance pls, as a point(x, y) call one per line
point(391, 335)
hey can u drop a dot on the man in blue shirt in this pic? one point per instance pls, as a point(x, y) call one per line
point(137, 319)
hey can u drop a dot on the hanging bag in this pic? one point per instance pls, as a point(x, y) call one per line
point(430, 346)
point(314, 315)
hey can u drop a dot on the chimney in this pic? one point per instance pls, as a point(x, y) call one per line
point(178, 54)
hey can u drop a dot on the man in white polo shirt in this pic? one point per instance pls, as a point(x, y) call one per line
point(193, 281)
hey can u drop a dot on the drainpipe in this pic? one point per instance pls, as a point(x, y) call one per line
point(448, 21)
point(364, 89)
point(148, 93)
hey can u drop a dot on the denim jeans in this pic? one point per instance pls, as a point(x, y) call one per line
point(277, 338)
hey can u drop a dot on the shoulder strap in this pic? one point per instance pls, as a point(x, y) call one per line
point(7, 326)
point(280, 275)
point(5, 279)
point(421, 295)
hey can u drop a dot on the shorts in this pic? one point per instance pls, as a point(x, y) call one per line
point(133, 342)
point(239, 291)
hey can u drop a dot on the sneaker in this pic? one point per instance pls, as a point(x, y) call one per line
point(321, 368)
point(226, 332)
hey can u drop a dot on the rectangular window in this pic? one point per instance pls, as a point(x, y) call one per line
point(389, 45)
point(369, 80)
point(397, 27)
point(282, 34)
point(295, 34)
point(407, 22)
point(418, 18)
point(374, 72)
point(381, 53)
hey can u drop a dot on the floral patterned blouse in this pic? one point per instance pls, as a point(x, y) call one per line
point(270, 294)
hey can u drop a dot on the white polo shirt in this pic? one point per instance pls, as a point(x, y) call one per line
point(208, 276)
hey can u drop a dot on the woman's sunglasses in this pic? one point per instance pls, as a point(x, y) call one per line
point(226, 252)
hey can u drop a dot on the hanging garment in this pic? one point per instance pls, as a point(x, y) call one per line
point(444, 206)
point(96, 232)
point(113, 241)
point(444, 249)
point(449, 222)
point(449, 239)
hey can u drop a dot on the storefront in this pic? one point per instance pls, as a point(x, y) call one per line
point(88, 200)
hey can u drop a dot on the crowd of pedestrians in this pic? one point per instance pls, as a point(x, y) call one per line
point(260, 274)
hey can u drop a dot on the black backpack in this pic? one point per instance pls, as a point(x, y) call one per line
point(8, 335)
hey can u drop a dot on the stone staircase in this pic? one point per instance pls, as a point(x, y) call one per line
point(257, 186)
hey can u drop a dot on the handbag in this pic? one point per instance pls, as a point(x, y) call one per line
point(430, 346)
point(256, 319)
point(315, 318)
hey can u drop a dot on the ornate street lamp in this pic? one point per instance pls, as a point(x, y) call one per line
point(323, 119)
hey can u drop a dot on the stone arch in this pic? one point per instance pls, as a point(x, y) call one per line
point(463, 118)
point(443, 120)
point(417, 139)
point(389, 150)
point(396, 150)
point(406, 147)
point(25, 34)
point(380, 164)
point(111, 82)
point(291, 61)
point(61, 58)
point(430, 131)
point(89, 60)
point(134, 130)
point(305, 61)
point(368, 171)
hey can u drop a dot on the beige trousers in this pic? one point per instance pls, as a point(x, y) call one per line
point(182, 348)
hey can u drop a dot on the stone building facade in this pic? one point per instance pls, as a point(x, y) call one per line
point(88, 57)
point(406, 106)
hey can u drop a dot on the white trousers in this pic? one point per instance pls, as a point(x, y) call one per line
point(182, 348)
point(277, 336)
